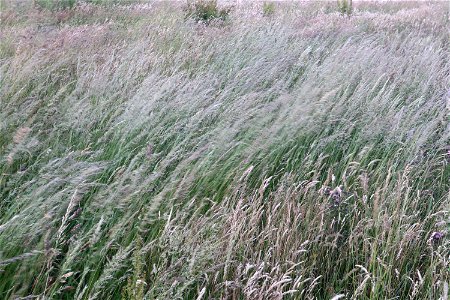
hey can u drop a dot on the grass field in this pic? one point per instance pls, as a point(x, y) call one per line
point(298, 155)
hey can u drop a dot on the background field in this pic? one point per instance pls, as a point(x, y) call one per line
point(301, 155)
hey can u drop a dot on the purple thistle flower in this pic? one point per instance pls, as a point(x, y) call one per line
point(437, 236)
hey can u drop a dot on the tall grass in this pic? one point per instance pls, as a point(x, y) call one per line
point(303, 156)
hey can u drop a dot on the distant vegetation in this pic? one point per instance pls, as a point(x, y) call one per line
point(159, 150)
point(268, 8)
point(54, 4)
point(345, 7)
point(206, 11)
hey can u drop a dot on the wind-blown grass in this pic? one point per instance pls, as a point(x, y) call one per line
point(303, 156)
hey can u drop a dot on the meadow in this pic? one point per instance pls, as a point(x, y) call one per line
point(286, 151)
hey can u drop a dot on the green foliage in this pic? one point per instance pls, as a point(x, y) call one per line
point(268, 9)
point(206, 11)
point(136, 284)
point(345, 7)
point(113, 2)
point(55, 4)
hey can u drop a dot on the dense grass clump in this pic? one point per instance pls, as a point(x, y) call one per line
point(301, 156)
